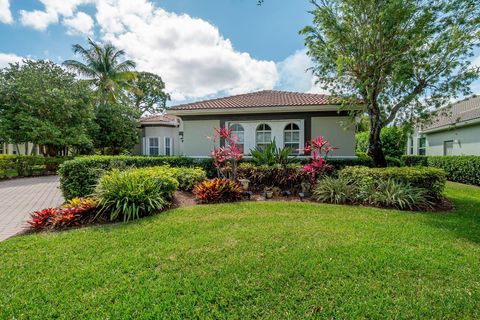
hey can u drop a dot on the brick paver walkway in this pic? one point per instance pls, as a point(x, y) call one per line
point(20, 197)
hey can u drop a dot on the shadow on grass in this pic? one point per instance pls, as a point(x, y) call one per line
point(464, 221)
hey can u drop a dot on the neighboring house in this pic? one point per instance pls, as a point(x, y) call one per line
point(256, 119)
point(20, 149)
point(454, 131)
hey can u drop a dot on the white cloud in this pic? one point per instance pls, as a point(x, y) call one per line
point(190, 54)
point(6, 58)
point(80, 24)
point(54, 9)
point(294, 74)
point(5, 13)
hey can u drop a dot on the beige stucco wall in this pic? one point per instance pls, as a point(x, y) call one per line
point(339, 131)
point(466, 141)
point(161, 133)
point(195, 136)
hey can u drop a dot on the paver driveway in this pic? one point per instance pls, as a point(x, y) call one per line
point(20, 197)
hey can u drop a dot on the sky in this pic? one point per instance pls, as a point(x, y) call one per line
point(201, 48)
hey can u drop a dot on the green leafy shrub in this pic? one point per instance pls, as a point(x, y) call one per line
point(334, 190)
point(433, 180)
point(272, 155)
point(218, 191)
point(394, 194)
point(412, 161)
point(394, 162)
point(289, 177)
point(463, 169)
point(78, 177)
point(134, 193)
point(394, 141)
point(188, 178)
point(24, 165)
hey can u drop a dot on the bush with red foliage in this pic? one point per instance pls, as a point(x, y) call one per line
point(217, 191)
point(75, 213)
point(317, 165)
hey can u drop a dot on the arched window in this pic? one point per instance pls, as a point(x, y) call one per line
point(263, 136)
point(291, 137)
point(239, 132)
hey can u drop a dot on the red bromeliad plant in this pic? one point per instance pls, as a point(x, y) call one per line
point(41, 219)
point(319, 150)
point(226, 157)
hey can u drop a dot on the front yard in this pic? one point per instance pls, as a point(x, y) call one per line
point(253, 260)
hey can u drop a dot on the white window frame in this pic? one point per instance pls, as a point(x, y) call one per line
point(240, 142)
point(292, 131)
point(170, 147)
point(264, 131)
point(421, 149)
point(149, 147)
point(277, 126)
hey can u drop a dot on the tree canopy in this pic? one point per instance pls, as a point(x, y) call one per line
point(43, 104)
point(149, 96)
point(400, 58)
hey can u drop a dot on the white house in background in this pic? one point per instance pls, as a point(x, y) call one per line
point(456, 131)
point(257, 118)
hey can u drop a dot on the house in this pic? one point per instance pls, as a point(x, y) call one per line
point(20, 149)
point(256, 119)
point(454, 131)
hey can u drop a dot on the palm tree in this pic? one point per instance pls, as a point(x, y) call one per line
point(103, 67)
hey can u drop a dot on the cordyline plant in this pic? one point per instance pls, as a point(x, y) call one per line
point(227, 156)
point(319, 150)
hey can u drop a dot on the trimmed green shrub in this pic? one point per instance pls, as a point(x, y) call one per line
point(412, 161)
point(188, 177)
point(334, 190)
point(26, 166)
point(134, 193)
point(78, 177)
point(463, 169)
point(394, 162)
point(394, 141)
point(433, 180)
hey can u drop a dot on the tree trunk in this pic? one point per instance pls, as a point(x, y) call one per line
point(375, 145)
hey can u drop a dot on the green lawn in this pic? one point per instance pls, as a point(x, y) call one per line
point(253, 260)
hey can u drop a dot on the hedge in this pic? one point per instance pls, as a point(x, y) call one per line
point(433, 180)
point(289, 177)
point(463, 169)
point(78, 177)
point(26, 166)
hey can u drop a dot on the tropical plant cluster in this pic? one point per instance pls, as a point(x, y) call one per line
point(79, 176)
point(400, 188)
point(121, 195)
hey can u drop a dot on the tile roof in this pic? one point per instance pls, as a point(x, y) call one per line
point(159, 118)
point(268, 98)
point(465, 110)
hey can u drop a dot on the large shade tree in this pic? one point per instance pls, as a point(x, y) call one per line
point(149, 95)
point(42, 103)
point(401, 58)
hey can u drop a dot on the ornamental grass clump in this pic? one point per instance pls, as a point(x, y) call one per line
point(135, 193)
point(337, 191)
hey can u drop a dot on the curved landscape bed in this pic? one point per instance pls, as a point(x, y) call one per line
point(253, 260)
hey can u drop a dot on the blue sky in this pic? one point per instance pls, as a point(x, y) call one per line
point(202, 48)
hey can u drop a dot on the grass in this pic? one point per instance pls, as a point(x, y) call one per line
point(253, 260)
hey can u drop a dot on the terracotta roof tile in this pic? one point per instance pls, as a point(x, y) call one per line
point(464, 110)
point(267, 98)
point(156, 118)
